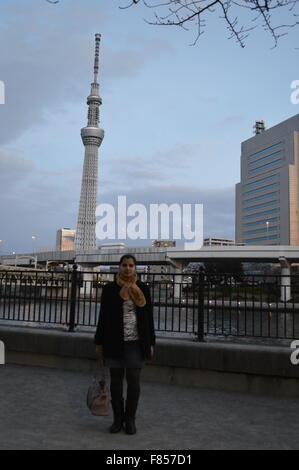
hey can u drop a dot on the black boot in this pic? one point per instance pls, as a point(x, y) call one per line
point(118, 415)
point(130, 413)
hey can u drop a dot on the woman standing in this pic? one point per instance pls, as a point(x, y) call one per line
point(125, 336)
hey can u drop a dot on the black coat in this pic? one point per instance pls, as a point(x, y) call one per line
point(110, 329)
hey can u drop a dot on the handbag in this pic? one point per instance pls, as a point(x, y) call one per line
point(98, 394)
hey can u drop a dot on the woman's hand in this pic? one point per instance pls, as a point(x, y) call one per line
point(152, 351)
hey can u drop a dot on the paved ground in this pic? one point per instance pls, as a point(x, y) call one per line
point(44, 408)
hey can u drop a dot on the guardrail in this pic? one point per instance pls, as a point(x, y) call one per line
point(194, 304)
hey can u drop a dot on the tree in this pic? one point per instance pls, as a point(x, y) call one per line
point(193, 14)
point(218, 270)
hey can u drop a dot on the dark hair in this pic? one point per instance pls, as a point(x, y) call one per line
point(126, 257)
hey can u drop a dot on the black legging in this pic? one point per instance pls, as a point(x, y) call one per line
point(133, 382)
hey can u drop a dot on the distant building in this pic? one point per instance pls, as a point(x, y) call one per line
point(163, 243)
point(267, 197)
point(65, 239)
point(106, 247)
point(45, 249)
point(213, 241)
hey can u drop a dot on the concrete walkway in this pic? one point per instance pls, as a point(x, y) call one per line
point(43, 408)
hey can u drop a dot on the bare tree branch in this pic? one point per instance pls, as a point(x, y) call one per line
point(190, 13)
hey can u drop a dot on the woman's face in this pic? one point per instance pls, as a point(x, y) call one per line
point(127, 267)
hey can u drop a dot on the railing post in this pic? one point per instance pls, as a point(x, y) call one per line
point(74, 285)
point(200, 307)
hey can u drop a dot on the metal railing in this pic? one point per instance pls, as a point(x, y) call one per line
point(195, 304)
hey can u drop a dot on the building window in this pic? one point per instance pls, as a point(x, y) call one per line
point(258, 182)
point(265, 159)
point(261, 222)
point(261, 152)
point(259, 214)
point(263, 188)
point(263, 167)
point(261, 239)
point(260, 230)
point(258, 198)
point(260, 206)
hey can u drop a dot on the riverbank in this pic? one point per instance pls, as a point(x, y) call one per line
point(246, 368)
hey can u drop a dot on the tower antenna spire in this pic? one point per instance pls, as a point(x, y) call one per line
point(96, 58)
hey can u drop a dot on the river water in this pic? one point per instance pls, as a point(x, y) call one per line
point(277, 327)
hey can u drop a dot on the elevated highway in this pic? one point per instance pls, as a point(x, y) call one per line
point(177, 257)
point(159, 256)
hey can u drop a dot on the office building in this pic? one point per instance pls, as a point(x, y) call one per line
point(267, 197)
point(65, 239)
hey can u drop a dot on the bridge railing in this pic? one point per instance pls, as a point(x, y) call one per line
point(193, 305)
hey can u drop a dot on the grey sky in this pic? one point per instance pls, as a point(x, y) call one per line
point(174, 116)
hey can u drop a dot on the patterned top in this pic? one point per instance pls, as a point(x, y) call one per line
point(130, 321)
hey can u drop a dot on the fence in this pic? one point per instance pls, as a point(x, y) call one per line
point(195, 305)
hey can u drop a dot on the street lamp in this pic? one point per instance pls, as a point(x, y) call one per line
point(34, 238)
point(267, 225)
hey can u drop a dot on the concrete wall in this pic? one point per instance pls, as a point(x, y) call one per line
point(234, 367)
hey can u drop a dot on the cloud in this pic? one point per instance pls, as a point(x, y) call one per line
point(11, 164)
point(13, 170)
point(38, 202)
point(34, 202)
point(171, 164)
point(128, 171)
point(46, 65)
point(47, 60)
point(232, 120)
point(128, 61)
point(193, 162)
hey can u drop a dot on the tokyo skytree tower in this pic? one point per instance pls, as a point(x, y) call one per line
point(92, 137)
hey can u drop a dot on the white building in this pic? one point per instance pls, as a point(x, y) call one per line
point(213, 241)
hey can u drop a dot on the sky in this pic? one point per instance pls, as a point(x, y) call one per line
point(174, 115)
